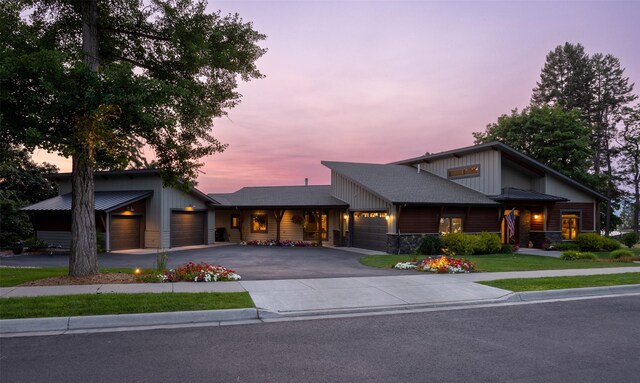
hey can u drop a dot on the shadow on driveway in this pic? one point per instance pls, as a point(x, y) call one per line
point(251, 262)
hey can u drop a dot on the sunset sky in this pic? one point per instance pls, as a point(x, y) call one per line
point(379, 81)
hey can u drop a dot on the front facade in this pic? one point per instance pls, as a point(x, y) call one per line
point(133, 210)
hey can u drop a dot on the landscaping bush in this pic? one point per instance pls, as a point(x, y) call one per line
point(630, 239)
point(621, 253)
point(594, 242)
point(458, 244)
point(429, 245)
point(564, 246)
point(571, 255)
point(506, 249)
point(487, 243)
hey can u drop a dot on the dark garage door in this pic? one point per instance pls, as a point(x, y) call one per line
point(187, 228)
point(125, 232)
point(370, 233)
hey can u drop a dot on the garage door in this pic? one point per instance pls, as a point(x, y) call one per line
point(370, 232)
point(125, 232)
point(187, 228)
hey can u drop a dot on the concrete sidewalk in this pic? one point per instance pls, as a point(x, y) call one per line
point(305, 297)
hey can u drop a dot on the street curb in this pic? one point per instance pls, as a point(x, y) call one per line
point(514, 297)
point(63, 324)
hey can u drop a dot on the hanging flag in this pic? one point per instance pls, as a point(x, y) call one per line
point(511, 223)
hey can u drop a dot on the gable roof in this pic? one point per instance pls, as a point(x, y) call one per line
point(280, 196)
point(499, 146)
point(402, 184)
point(515, 194)
point(104, 201)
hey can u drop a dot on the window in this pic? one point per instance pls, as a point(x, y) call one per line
point(259, 223)
point(371, 214)
point(235, 221)
point(450, 225)
point(464, 171)
point(570, 225)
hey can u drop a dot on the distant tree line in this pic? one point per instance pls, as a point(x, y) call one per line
point(582, 122)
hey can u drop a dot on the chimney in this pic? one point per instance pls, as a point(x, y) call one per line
point(306, 182)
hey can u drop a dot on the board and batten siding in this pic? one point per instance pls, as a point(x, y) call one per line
point(358, 198)
point(489, 180)
point(174, 199)
point(513, 178)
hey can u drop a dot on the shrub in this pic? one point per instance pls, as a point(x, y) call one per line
point(458, 244)
point(572, 255)
point(564, 246)
point(34, 243)
point(506, 249)
point(594, 242)
point(487, 243)
point(621, 253)
point(630, 239)
point(429, 245)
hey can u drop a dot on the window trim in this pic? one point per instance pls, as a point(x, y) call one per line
point(266, 222)
point(579, 225)
point(451, 217)
point(231, 224)
point(464, 175)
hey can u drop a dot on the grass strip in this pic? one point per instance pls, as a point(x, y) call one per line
point(554, 283)
point(13, 276)
point(500, 262)
point(104, 304)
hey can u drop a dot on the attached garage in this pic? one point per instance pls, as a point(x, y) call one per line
point(370, 231)
point(188, 228)
point(126, 232)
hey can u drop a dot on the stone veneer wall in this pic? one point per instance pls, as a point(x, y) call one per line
point(404, 243)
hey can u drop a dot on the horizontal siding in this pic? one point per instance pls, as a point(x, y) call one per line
point(55, 238)
point(586, 215)
point(427, 219)
point(537, 224)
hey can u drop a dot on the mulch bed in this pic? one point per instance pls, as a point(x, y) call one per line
point(99, 279)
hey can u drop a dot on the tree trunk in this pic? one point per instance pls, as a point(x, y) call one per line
point(84, 258)
point(636, 205)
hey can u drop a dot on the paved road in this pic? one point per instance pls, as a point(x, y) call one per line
point(251, 262)
point(592, 340)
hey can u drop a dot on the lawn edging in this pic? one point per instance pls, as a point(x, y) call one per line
point(59, 325)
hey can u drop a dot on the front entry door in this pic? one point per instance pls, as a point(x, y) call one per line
point(310, 228)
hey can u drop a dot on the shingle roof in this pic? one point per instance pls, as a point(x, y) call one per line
point(500, 146)
point(104, 201)
point(280, 196)
point(404, 184)
point(515, 194)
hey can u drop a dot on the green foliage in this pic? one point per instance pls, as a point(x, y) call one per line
point(429, 245)
point(547, 134)
point(34, 243)
point(595, 242)
point(621, 253)
point(469, 244)
point(506, 249)
point(563, 246)
point(630, 239)
point(100, 242)
point(576, 255)
point(161, 261)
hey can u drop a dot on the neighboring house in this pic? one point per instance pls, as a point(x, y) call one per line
point(296, 213)
point(133, 210)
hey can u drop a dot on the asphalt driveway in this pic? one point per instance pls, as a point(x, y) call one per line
point(251, 262)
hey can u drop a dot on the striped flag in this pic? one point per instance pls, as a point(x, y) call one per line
point(511, 223)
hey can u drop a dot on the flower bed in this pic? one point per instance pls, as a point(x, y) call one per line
point(198, 272)
point(442, 264)
point(273, 242)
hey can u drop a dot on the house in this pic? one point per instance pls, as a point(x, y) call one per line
point(389, 207)
point(133, 210)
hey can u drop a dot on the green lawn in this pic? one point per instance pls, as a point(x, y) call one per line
point(103, 304)
point(552, 283)
point(500, 262)
point(13, 276)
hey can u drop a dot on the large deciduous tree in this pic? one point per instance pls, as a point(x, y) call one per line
point(554, 137)
point(630, 160)
point(101, 80)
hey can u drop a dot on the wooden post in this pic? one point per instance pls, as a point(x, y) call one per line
point(278, 214)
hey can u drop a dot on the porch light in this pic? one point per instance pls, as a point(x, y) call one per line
point(346, 216)
point(137, 271)
point(386, 217)
point(130, 209)
point(536, 216)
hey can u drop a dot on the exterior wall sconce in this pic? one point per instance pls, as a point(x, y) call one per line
point(130, 209)
point(386, 217)
point(346, 216)
point(536, 216)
